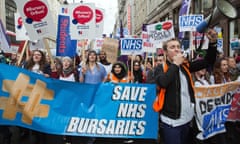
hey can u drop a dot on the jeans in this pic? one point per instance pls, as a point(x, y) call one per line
point(176, 135)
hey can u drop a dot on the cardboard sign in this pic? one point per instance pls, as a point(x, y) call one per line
point(110, 46)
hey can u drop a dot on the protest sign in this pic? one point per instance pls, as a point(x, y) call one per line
point(4, 41)
point(21, 32)
point(189, 22)
point(212, 107)
point(59, 107)
point(147, 46)
point(65, 46)
point(234, 113)
point(99, 22)
point(160, 32)
point(131, 46)
point(110, 47)
point(37, 18)
point(82, 21)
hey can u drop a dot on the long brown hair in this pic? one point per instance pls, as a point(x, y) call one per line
point(30, 63)
point(87, 61)
point(219, 76)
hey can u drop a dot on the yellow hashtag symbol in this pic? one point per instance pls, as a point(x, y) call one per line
point(30, 108)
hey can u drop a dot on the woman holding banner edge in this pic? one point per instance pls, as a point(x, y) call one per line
point(178, 108)
point(91, 73)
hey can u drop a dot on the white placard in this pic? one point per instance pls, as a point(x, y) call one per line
point(37, 18)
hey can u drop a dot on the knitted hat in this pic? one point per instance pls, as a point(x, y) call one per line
point(68, 59)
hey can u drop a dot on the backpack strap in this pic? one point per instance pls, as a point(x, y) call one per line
point(186, 68)
point(159, 101)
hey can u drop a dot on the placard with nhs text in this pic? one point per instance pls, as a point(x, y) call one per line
point(131, 46)
point(189, 22)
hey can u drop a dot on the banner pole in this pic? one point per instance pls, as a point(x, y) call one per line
point(22, 52)
point(153, 60)
point(83, 52)
point(132, 57)
point(145, 63)
point(48, 50)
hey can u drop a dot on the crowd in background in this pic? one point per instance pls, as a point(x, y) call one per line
point(138, 69)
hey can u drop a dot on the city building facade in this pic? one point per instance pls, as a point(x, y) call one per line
point(153, 11)
point(8, 8)
point(133, 14)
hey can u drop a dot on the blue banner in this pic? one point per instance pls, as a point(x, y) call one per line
point(68, 108)
point(65, 46)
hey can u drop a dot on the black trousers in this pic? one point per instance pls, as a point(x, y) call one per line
point(5, 135)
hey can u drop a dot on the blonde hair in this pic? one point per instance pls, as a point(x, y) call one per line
point(166, 42)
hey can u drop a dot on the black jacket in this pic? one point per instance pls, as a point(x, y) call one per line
point(171, 81)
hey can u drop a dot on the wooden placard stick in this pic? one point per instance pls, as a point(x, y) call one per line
point(145, 63)
point(22, 52)
point(83, 52)
point(48, 50)
point(132, 59)
point(153, 60)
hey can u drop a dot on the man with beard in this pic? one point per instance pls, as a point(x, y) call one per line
point(103, 60)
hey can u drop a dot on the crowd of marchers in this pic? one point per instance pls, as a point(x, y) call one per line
point(171, 70)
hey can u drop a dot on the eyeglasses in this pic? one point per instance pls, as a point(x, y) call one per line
point(37, 55)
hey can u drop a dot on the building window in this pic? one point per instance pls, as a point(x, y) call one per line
point(207, 4)
point(197, 7)
point(11, 8)
point(203, 6)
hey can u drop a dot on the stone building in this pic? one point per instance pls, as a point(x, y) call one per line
point(152, 11)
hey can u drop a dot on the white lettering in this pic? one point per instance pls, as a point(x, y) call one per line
point(128, 93)
point(73, 125)
point(106, 127)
